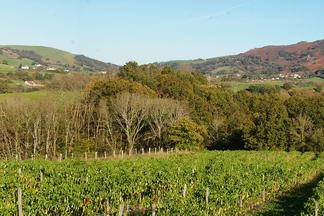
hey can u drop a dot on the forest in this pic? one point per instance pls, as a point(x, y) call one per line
point(146, 106)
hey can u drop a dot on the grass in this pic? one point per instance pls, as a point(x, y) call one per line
point(6, 68)
point(16, 61)
point(304, 83)
point(39, 95)
point(54, 55)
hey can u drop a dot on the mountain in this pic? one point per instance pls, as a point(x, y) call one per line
point(15, 55)
point(305, 58)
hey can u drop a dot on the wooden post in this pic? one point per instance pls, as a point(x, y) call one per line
point(96, 155)
point(41, 176)
point(316, 208)
point(17, 157)
point(60, 159)
point(121, 210)
point(161, 150)
point(207, 195)
point(153, 210)
point(122, 153)
point(20, 202)
point(114, 153)
point(143, 151)
point(46, 156)
point(107, 207)
point(241, 201)
point(154, 150)
point(66, 155)
point(105, 155)
point(263, 191)
point(149, 151)
point(184, 191)
point(85, 156)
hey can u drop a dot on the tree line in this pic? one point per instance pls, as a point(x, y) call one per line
point(146, 106)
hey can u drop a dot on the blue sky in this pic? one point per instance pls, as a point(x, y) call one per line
point(158, 30)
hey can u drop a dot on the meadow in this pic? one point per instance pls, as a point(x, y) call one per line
point(307, 83)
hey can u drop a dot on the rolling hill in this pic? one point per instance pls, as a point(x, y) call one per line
point(305, 58)
point(15, 55)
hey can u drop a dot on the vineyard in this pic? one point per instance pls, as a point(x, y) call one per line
point(316, 202)
point(213, 183)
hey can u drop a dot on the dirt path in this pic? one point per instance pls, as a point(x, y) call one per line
point(292, 202)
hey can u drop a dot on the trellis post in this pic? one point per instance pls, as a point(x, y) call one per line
point(20, 202)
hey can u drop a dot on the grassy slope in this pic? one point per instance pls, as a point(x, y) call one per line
point(16, 62)
point(6, 68)
point(53, 54)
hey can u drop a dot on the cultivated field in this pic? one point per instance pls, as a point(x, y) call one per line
point(213, 183)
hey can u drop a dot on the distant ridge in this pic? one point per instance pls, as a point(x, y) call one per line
point(305, 58)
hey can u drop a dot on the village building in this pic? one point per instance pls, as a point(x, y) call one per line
point(33, 84)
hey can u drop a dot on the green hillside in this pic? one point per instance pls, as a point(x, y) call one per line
point(15, 55)
point(52, 55)
point(6, 68)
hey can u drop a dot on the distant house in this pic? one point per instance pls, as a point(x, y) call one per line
point(103, 72)
point(67, 70)
point(33, 84)
point(38, 65)
point(51, 69)
point(296, 76)
point(26, 67)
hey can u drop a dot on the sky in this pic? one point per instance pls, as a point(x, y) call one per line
point(148, 31)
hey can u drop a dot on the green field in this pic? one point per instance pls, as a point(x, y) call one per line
point(39, 95)
point(304, 83)
point(207, 183)
point(6, 68)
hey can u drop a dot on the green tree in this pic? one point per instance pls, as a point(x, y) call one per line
point(301, 131)
point(270, 123)
point(186, 134)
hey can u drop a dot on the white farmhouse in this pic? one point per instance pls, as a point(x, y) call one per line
point(51, 69)
point(296, 76)
point(33, 84)
point(26, 67)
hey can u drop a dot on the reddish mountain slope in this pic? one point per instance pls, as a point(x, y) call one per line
point(303, 56)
